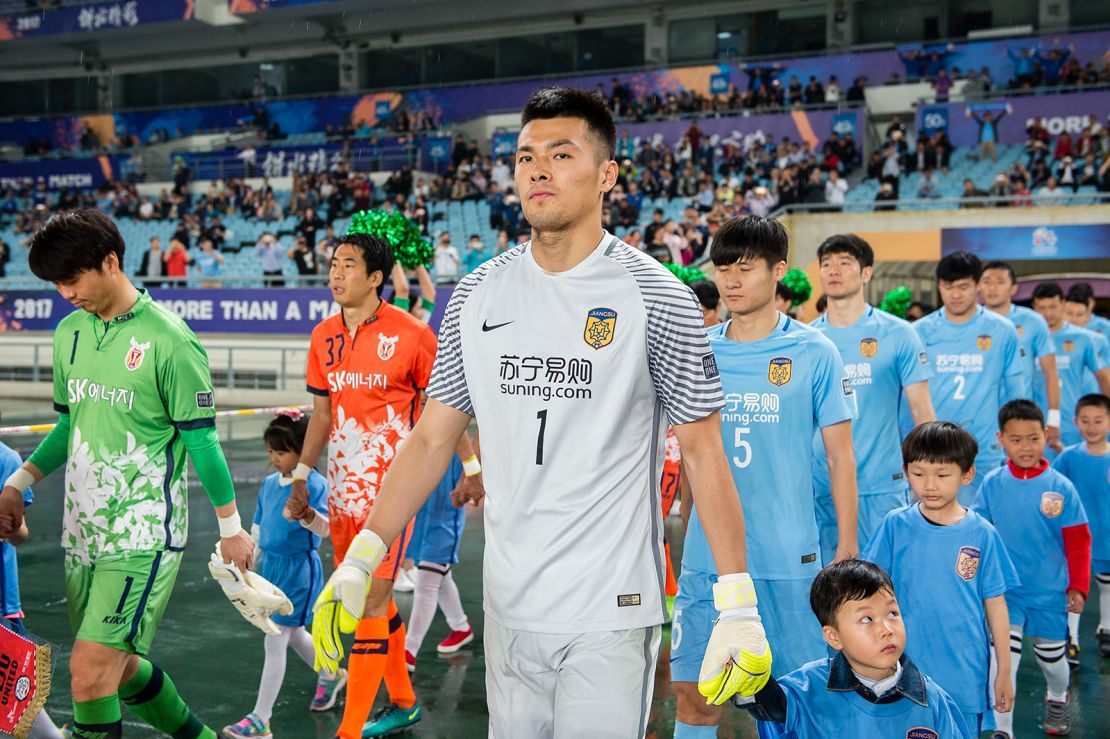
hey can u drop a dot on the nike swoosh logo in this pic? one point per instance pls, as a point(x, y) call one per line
point(487, 327)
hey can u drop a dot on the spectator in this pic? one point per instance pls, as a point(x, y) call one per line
point(988, 131)
point(152, 265)
point(928, 187)
point(970, 191)
point(1050, 193)
point(761, 201)
point(324, 248)
point(833, 93)
point(885, 197)
point(634, 239)
point(5, 257)
point(1023, 66)
point(210, 264)
point(504, 242)
point(310, 224)
point(447, 261)
point(836, 189)
point(249, 157)
point(892, 169)
point(270, 255)
point(177, 263)
point(304, 257)
point(1067, 173)
point(856, 91)
point(942, 85)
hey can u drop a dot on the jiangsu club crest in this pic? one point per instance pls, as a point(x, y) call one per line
point(983, 342)
point(1052, 504)
point(868, 347)
point(601, 326)
point(778, 371)
point(135, 354)
point(967, 563)
point(387, 345)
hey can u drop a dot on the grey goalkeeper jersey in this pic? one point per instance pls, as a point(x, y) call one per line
point(573, 378)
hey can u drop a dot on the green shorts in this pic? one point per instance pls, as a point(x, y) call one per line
point(118, 601)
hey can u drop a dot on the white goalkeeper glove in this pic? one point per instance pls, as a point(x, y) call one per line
point(343, 598)
point(255, 597)
point(738, 658)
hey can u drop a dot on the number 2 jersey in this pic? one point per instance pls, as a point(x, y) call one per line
point(373, 380)
point(978, 367)
point(778, 392)
point(573, 378)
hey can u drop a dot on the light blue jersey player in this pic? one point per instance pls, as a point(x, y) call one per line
point(1087, 465)
point(783, 380)
point(887, 365)
point(950, 570)
point(1083, 295)
point(976, 358)
point(1082, 357)
point(1040, 517)
point(997, 287)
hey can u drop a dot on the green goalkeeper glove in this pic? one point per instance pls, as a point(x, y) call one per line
point(738, 658)
point(340, 605)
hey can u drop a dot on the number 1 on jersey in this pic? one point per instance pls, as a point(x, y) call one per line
point(542, 416)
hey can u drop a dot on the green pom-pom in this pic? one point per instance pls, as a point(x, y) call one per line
point(685, 275)
point(797, 281)
point(897, 301)
point(409, 247)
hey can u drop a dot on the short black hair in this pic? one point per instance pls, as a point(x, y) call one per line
point(1019, 410)
point(1081, 292)
point(748, 238)
point(569, 102)
point(840, 582)
point(73, 242)
point(1004, 266)
point(707, 293)
point(1093, 400)
point(940, 442)
point(1046, 290)
point(783, 292)
point(958, 265)
point(849, 244)
point(376, 252)
point(286, 433)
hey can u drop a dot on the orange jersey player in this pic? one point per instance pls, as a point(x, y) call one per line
point(367, 368)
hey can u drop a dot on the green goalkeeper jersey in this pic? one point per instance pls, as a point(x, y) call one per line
point(130, 386)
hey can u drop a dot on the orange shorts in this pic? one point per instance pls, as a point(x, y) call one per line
point(343, 531)
point(669, 488)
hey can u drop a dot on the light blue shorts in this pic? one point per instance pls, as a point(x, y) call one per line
point(1046, 623)
point(872, 510)
point(792, 629)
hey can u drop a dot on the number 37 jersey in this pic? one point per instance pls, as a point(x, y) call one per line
point(573, 378)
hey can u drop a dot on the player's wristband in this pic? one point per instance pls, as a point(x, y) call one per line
point(230, 526)
point(471, 466)
point(735, 594)
point(428, 305)
point(1053, 418)
point(21, 479)
point(301, 471)
point(366, 552)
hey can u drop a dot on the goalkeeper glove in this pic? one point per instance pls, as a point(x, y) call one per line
point(738, 658)
point(255, 597)
point(340, 604)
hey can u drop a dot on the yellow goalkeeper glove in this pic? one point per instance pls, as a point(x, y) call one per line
point(738, 658)
point(340, 605)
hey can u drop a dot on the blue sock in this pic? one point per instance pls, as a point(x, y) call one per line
point(689, 731)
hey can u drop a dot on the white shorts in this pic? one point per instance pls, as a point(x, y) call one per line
point(596, 684)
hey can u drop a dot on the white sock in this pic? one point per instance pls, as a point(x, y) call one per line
point(451, 604)
point(300, 641)
point(1103, 600)
point(1073, 627)
point(1050, 656)
point(1005, 721)
point(425, 597)
point(273, 673)
point(44, 728)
